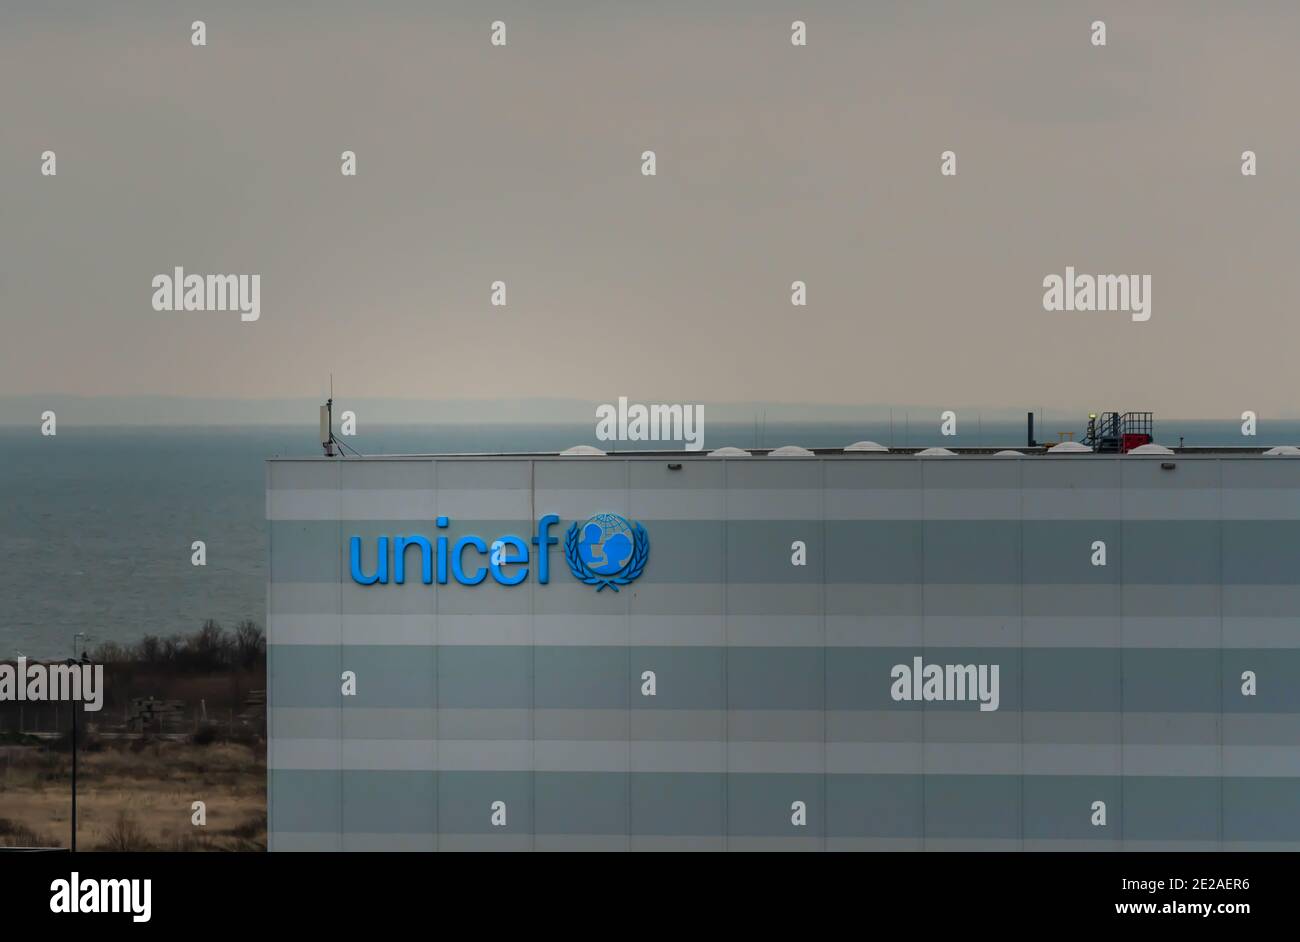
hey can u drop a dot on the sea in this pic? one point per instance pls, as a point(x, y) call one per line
point(96, 524)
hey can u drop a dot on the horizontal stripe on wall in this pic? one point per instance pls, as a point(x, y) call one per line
point(567, 597)
point(983, 552)
point(787, 630)
point(1109, 729)
point(803, 678)
point(657, 843)
point(613, 474)
point(759, 805)
point(714, 504)
point(929, 758)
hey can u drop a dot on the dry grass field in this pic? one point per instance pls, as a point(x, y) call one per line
point(135, 795)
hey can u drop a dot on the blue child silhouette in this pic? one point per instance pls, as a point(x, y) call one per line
point(608, 557)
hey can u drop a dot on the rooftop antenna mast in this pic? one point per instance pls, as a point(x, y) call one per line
point(327, 439)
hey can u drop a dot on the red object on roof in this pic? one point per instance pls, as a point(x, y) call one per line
point(1131, 440)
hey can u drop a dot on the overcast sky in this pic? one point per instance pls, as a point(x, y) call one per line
point(775, 163)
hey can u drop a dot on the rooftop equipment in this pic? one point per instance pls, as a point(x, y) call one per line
point(1118, 433)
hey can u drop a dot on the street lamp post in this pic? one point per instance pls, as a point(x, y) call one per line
point(72, 661)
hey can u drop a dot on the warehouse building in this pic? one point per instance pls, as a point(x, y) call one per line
point(843, 649)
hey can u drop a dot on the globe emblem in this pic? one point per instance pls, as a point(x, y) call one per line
point(606, 544)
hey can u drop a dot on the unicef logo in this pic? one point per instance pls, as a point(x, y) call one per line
point(606, 550)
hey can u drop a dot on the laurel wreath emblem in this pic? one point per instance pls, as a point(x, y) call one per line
point(640, 553)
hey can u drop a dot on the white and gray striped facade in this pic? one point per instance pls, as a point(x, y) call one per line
point(1119, 684)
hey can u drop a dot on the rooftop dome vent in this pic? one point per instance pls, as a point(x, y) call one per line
point(728, 451)
point(865, 446)
point(790, 451)
point(1008, 453)
point(1151, 449)
point(1069, 448)
point(1283, 450)
point(935, 453)
point(583, 450)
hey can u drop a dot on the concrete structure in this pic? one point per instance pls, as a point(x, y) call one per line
point(1142, 615)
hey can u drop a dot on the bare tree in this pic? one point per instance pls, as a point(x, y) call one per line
point(250, 644)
